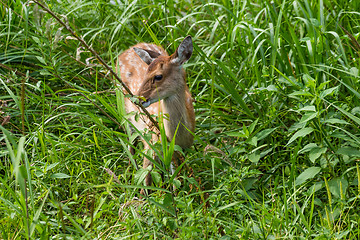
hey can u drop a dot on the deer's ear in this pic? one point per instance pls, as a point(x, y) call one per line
point(146, 55)
point(183, 52)
point(152, 53)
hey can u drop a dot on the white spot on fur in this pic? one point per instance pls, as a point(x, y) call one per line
point(189, 100)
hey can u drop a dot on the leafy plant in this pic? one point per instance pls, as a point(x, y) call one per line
point(277, 143)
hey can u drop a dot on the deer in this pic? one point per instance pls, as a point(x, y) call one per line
point(160, 82)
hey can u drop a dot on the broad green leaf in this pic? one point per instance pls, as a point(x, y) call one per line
point(309, 80)
point(315, 153)
point(316, 187)
point(51, 166)
point(355, 110)
point(59, 175)
point(270, 88)
point(253, 125)
point(301, 93)
point(307, 148)
point(36, 39)
point(304, 39)
point(20, 170)
point(266, 152)
point(348, 151)
point(140, 175)
point(307, 174)
point(301, 133)
point(23, 172)
point(322, 85)
point(308, 116)
point(177, 183)
point(156, 177)
point(252, 141)
point(254, 157)
point(354, 71)
point(338, 187)
point(308, 108)
point(336, 121)
point(239, 133)
point(327, 92)
point(41, 59)
point(296, 126)
point(227, 206)
point(264, 133)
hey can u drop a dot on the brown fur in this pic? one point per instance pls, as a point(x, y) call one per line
point(176, 100)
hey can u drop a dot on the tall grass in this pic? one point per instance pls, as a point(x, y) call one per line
point(277, 94)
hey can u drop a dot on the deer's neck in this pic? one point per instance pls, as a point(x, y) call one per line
point(175, 107)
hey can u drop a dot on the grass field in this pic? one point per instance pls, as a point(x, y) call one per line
point(277, 141)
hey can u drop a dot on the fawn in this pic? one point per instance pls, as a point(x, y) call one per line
point(149, 72)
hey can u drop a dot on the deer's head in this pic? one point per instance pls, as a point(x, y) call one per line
point(165, 76)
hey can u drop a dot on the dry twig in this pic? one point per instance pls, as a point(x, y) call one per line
point(82, 41)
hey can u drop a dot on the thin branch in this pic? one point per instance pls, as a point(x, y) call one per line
point(82, 41)
point(17, 72)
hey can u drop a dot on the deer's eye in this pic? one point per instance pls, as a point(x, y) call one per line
point(158, 77)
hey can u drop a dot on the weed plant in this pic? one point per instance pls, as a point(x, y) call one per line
point(277, 98)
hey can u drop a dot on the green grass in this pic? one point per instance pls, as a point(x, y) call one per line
point(277, 140)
